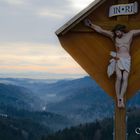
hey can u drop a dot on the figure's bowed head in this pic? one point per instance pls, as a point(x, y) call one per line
point(119, 30)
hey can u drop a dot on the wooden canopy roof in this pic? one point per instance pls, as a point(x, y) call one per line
point(79, 17)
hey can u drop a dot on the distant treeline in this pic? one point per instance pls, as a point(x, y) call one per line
point(99, 130)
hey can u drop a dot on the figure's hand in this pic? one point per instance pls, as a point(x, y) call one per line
point(88, 22)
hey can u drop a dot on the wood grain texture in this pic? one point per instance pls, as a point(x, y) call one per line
point(92, 55)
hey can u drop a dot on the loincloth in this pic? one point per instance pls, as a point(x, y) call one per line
point(121, 62)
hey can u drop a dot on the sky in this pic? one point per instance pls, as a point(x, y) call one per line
point(29, 47)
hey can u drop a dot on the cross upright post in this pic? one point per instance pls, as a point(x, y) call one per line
point(123, 18)
point(120, 114)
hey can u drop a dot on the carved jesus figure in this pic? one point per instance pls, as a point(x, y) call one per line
point(120, 64)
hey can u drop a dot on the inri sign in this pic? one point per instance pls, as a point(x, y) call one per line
point(123, 9)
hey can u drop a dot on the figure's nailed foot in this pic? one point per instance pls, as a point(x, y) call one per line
point(121, 103)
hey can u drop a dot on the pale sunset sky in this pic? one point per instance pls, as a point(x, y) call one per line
point(29, 47)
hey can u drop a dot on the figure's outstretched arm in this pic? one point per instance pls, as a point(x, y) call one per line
point(98, 29)
point(135, 32)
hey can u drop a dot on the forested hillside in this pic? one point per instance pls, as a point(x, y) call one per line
point(99, 130)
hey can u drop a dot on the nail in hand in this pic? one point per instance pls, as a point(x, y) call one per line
point(87, 22)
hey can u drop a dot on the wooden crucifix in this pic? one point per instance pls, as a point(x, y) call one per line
point(91, 47)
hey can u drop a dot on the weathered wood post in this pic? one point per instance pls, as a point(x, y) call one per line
point(120, 123)
point(91, 50)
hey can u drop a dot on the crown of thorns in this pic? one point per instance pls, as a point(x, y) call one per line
point(119, 27)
